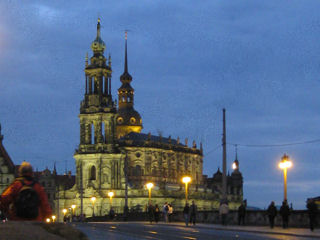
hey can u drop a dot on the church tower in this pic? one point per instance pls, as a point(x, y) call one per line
point(128, 119)
point(97, 110)
point(98, 161)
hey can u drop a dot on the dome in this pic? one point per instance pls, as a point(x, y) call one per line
point(129, 117)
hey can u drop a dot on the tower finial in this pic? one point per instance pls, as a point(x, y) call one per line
point(98, 28)
point(87, 59)
point(125, 55)
point(109, 60)
point(236, 145)
point(1, 136)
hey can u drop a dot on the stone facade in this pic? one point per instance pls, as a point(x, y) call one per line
point(7, 168)
point(113, 154)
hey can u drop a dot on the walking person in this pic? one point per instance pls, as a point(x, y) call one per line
point(151, 212)
point(285, 212)
point(272, 213)
point(312, 211)
point(223, 212)
point(25, 199)
point(156, 213)
point(193, 213)
point(186, 211)
point(241, 214)
point(165, 211)
point(170, 212)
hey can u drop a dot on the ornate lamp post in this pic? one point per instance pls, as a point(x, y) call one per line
point(93, 199)
point(186, 181)
point(149, 187)
point(284, 164)
point(110, 194)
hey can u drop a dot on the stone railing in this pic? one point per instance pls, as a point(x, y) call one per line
point(297, 218)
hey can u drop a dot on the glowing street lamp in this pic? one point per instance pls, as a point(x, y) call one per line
point(93, 199)
point(73, 206)
point(186, 181)
point(48, 220)
point(110, 194)
point(284, 164)
point(64, 211)
point(149, 187)
point(53, 218)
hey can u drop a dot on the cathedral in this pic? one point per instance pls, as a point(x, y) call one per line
point(115, 156)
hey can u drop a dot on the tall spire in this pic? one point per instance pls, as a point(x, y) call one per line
point(98, 28)
point(125, 55)
point(126, 77)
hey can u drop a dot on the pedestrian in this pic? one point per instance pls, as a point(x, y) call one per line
point(186, 211)
point(156, 213)
point(193, 213)
point(241, 214)
point(223, 212)
point(151, 212)
point(111, 214)
point(285, 212)
point(170, 212)
point(25, 199)
point(312, 211)
point(165, 211)
point(272, 213)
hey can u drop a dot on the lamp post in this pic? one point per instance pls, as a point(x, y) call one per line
point(64, 214)
point(53, 218)
point(93, 199)
point(149, 187)
point(110, 194)
point(186, 181)
point(73, 206)
point(284, 164)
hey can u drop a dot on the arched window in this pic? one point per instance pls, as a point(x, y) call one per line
point(123, 99)
point(93, 173)
point(92, 134)
point(128, 99)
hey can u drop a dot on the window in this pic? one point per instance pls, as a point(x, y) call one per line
point(7, 180)
point(93, 173)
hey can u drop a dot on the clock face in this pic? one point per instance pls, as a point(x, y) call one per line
point(132, 120)
point(120, 120)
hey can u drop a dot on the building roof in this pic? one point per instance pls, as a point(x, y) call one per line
point(4, 154)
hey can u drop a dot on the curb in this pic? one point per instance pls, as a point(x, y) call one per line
point(252, 231)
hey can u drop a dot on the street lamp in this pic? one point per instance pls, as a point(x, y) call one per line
point(93, 199)
point(64, 211)
point(53, 218)
point(110, 194)
point(149, 187)
point(186, 181)
point(73, 206)
point(284, 164)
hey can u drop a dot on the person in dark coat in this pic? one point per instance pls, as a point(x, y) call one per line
point(272, 213)
point(186, 211)
point(312, 211)
point(151, 212)
point(193, 213)
point(241, 214)
point(285, 212)
point(156, 213)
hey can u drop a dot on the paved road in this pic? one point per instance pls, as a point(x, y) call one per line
point(138, 230)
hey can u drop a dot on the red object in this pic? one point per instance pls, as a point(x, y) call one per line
point(9, 195)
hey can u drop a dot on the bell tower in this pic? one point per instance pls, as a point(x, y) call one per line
point(128, 119)
point(97, 110)
point(98, 161)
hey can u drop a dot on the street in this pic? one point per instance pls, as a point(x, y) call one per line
point(143, 230)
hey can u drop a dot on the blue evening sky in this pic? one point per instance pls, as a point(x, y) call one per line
point(189, 59)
